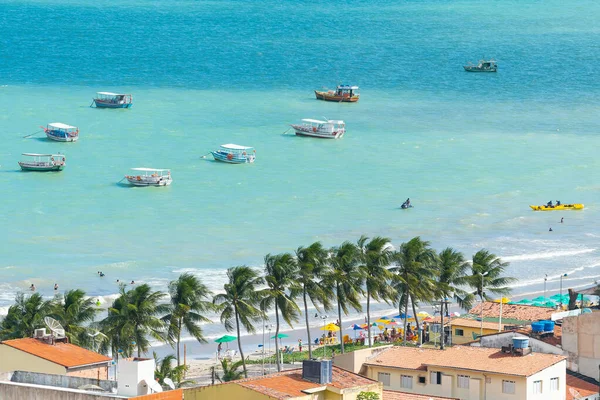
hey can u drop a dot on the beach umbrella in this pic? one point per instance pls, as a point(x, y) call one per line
point(537, 304)
point(504, 300)
point(423, 314)
point(540, 299)
point(550, 303)
point(524, 301)
point(586, 311)
point(384, 318)
point(403, 316)
point(455, 314)
point(383, 321)
point(330, 327)
point(512, 302)
point(556, 296)
point(280, 336)
point(355, 327)
point(226, 339)
point(392, 322)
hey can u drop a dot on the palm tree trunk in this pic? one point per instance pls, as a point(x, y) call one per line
point(412, 302)
point(178, 340)
point(307, 326)
point(340, 315)
point(239, 340)
point(369, 316)
point(277, 337)
point(405, 314)
point(443, 331)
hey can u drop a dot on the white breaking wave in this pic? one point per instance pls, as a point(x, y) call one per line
point(550, 254)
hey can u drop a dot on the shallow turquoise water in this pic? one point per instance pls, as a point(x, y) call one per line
point(472, 151)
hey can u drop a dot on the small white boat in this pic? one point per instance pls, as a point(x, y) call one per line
point(234, 154)
point(150, 177)
point(113, 100)
point(330, 129)
point(61, 132)
point(482, 66)
point(43, 162)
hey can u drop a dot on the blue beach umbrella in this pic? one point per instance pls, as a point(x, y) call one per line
point(403, 316)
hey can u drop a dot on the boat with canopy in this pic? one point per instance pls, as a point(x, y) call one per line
point(482, 66)
point(149, 177)
point(330, 129)
point(61, 132)
point(235, 154)
point(113, 100)
point(43, 162)
point(343, 93)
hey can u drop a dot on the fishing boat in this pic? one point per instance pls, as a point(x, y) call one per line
point(330, 129)
point(43, 162)
point(343, 93)
point(482, 66)
point(546, 207)
point(149, 177)
point(234, 154)
point(113, 100)
point(61, 132)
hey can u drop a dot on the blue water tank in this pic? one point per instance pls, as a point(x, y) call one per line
point(537, 327)
point(548, 326)
point(520, 342)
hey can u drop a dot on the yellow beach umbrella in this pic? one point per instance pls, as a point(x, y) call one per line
point(383, 321)
point(331, 327)
point(504, 300)
point(423, 314)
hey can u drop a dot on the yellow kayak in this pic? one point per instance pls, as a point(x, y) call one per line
point(561, 207)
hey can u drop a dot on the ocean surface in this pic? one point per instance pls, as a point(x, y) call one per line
point(472, 151)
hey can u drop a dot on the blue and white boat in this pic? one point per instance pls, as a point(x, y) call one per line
point(234, 154)
point(61, 132)
point(113, 100)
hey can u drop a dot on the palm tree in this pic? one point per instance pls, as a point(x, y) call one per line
point(311, 269)
point(132, 319)
point(346, 278)
point(374, 256)
point(164, 369)
point(414, 274)
point(75, 312)
point(239, 302)
point(230, 371)
point(280, 274)
point(189, 300)
point(23, 317)
point(452, 269)
point(486, 274)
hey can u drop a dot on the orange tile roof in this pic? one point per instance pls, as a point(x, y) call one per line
point(582, 387)
point(466, 358)
point(288, 384)
point(176, 394)
point(65, 354)
point(513, 311)
point(396, 395)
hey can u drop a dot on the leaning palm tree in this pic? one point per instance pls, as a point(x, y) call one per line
point(346, 278)
point(414, 274)
point(240, 302)
point(75, 312)
point(280, 274)
point(190, 299)
point(311, 269)
point(374, 257)
point(25, 316)
point(486, 275)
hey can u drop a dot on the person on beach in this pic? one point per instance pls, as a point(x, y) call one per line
point(55, 287)
point(299, 344)
point(32, 287)
point(219, 347)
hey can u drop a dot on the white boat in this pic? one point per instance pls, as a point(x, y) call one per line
point(61, 132)
point(482, 66)
point(43, 162)
point(234, 154)
point(113, 100)
point(330, 129)
point(149, 177)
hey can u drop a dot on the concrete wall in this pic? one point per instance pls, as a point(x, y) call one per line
point(12, 359)
point(353, 361)
point(59, 380)
point(20, 391)
point(581, 341)
point(468, 333)
point(505, 338)
point(222, 392)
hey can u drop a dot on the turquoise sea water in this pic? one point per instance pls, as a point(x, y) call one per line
point(472, 151)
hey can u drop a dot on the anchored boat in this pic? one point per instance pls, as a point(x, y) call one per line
point(43, 162)
point(343, 93)
point(113, 100)
point(546, 207)
point(61, 132)
point(330, 129)
point(234, 154)
point(482, 66)
point(149, 177)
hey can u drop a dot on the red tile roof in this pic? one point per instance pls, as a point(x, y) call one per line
point(466, 358)
point(288, 384)
point(396, 395)
point(576, 385)
point(65, 354)
point(513, 311)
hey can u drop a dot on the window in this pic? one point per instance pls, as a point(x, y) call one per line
point(463, 381)
point(436, 378)
point(459, 332)
point(508, 387)
point(537, 387)
point(422, 379)
point(384, 378)
point(553, 384)
point(406, 382)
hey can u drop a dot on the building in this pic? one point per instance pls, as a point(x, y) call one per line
point(580, 387)
point(512, 314)
point(52, 357)
point(338, 384)
point(581, 341)
point(499, 339)
point(397, 395)
point(466, 330)
point(470, 373)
